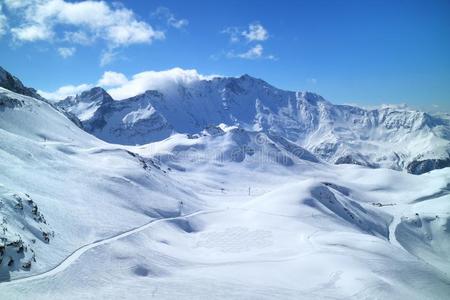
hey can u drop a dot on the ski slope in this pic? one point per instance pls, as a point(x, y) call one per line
point(280, 242)
point(227, 213)
point(80, 251)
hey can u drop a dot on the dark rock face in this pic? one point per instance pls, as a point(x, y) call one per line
point(13, 84)
point(423, 166)
point(354, 160)
point(9, 102)
point(94, 95)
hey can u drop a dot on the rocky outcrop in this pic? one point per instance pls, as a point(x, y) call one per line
point(423, 166)
point(13, 84)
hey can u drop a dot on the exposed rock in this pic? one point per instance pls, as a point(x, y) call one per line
point(423, 166)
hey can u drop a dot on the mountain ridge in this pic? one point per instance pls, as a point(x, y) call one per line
point(231, 201)
point(391, 137)
point(414, 141)
point(12, 83)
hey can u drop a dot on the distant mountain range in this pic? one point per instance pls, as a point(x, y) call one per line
point(239, 178)
point(390, 137)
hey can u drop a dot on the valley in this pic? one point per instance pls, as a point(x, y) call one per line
point(223, 212)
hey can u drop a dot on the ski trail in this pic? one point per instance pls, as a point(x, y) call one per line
point(69, 260)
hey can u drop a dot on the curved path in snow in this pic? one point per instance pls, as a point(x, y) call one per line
point(63, 265)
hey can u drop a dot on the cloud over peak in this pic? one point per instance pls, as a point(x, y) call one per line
point(156, 80)
point(112, 79)
point(65, 91)
point(120, 87)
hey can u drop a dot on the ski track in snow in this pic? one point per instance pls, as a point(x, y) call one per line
point(69, 260)
point(340, 263)
point(75, 255)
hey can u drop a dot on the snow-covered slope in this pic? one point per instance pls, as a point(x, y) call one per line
point(86, 104)
point(267, 230)
point(222, 212)
point(397, 138)
point(61, 187)
point(12, 83)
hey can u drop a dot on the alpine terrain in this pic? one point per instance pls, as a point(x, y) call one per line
point(227, 188)
point(389, 137)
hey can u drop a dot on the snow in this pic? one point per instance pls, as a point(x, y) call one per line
point(389, 137)
point(220, 212)
point(281, 242)
point(139, 115)
point(100, 182)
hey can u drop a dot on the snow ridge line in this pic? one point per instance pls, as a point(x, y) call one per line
point(69, 260)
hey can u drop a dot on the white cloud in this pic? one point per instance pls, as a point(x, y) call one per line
point(164, 13)
point(32, 33)
point(255, 32)
point(178, 23)
point(66, 52)
point(78, 37)
point(234, 34)
point(112, 79)
point(256, 52)
point(312, 80)
point(252, 53)
point(121, 88)
point(107, 57)
point(14, 4)
point(157, 80)
point(3, 23)
point(117, 25)
point(65, 91)
point(132, 33)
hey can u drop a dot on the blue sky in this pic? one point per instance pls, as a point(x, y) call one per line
point(362, 52)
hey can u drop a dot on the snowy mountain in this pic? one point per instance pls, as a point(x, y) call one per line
point(397, 138)
point(235, 210)
point(13, 84)
point(49, 204)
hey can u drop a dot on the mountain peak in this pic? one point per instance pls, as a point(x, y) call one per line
point(85, 104)
point(12, 83)
point(335, 133)
point(311, 97)
point(247, 77)
point(153, 93)
point(95, 92)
